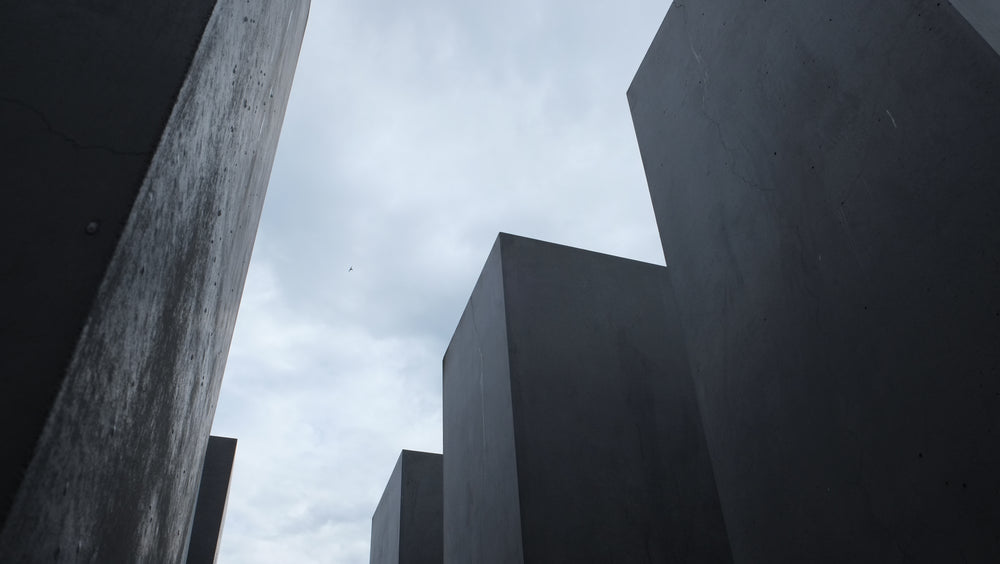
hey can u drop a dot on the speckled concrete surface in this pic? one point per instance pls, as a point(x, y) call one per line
point(115, 471)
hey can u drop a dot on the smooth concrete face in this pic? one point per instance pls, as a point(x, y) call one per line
point(213, 494)
point(482, 519)
point(421, 509)
point(824, 177)
point(406, 526)
point(611, 462)
point(384, 548)
point(138, 312)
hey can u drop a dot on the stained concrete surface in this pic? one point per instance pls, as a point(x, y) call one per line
point(213, 495)
point(611, 461)
point(407, 524)
point(84, 98)
point(824, 178)
point(139, 140)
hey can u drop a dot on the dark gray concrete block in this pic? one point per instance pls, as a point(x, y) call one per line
point(406, 526)
point(213, 493)
point(571, 431)
point(824, 176)
point(137, 141)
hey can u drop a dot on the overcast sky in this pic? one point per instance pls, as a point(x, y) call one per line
point(416, 131)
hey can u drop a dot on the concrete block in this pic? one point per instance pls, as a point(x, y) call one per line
point(213, 493)
point(137, 140)
point(406, 526)
point(824, 177)
point(571, 430)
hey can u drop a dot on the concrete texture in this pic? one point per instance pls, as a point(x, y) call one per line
point(824, 177)
point(406, 526)
point(138, 141)
point(213, 493)
point(571, 431)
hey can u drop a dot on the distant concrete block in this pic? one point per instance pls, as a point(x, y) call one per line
point(213, 493)
point(825, 181)
point(406, 526)
point(571, 430)
point(137, 142)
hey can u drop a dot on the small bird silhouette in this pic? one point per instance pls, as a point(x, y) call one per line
point(350, 269)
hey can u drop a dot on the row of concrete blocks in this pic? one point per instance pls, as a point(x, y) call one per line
point(816, 375)
point(571, 428)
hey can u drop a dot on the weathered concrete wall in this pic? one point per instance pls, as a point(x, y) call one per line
point(407, 524)
point(213, 495)
point(824, 176)
point(84, 97)
point(152, 144)
point(611, 460)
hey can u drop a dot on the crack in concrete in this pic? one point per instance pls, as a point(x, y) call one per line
point(66, 137)
point(731, 166)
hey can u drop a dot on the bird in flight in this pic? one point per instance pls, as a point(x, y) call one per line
point(350, 269)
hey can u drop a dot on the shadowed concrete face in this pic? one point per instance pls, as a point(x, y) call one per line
point(571, 431)
point(213, 494)
point(824, 176)
point(406, 526)
point(138, 141)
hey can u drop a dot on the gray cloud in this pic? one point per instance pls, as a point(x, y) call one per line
point(415, 132)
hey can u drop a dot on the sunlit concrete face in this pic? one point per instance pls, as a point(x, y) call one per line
point(824, 177)
point(571, 431)
point(406, 526)
point(138, 142)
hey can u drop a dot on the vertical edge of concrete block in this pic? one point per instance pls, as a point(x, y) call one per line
point(611, 457)
point(84, 98)
point(824, 177)
point(213, 498)
point(984, 17)
point(115, 472)
point(385, 536)
point(421, 533)
point(481, 511)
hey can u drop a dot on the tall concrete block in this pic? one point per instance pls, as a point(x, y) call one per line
point(824, 177)
point(137, 141)
point(571, 431)
point(406, 526)
point(213, 493)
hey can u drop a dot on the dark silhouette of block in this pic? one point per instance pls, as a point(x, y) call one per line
point(825, 181)
point(406, 526)
point(213, 492)
point(137, 140)
point(571, 431)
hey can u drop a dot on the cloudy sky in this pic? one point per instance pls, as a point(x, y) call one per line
point(416, 132)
